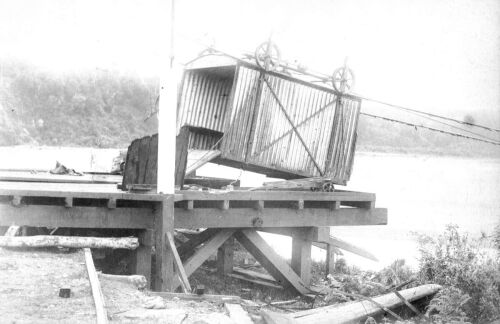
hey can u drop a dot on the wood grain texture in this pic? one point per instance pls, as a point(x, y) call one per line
point(101, 314)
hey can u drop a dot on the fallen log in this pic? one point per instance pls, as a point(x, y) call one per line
point(13, 230)
point(359, 310)
point(130, 243)
point(137, 280)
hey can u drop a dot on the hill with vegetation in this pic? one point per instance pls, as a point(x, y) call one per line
point(109, 109)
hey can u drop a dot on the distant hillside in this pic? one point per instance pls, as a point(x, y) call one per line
point(108, 110)
point(99, 110)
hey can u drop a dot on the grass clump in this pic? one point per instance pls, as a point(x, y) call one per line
point(470, 277)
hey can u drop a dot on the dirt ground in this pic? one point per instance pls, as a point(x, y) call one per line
point(29, 293)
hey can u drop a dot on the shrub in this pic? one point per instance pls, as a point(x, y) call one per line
point(470, 277)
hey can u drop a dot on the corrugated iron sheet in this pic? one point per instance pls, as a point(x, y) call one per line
point(204, 100)
point(256, 131)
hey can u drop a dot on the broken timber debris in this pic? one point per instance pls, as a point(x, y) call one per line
point(130, 243)
point(137, 280)
point(358, 310)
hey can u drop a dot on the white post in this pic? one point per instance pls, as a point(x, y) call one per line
point(167, 115)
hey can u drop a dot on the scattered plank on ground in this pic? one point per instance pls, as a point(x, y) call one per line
point(194, 297)
point(102, 316)
point(130, 243)
point(238, 314)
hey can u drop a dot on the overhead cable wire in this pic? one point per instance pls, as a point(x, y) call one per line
point(426, 113)
point(431, 129)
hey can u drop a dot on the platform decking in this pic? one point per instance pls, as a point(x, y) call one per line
point(90, 205)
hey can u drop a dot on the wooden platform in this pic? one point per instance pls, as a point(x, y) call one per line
point(239, 214)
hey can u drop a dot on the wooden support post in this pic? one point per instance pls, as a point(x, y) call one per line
point(142, 255)
point(301, 253)
point(299, 204)
point(330, 259)
point(164, 266)
point(189, 204)
point(225, 256)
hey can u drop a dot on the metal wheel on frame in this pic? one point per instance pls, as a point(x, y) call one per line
point(343, 79)
point(267, 56)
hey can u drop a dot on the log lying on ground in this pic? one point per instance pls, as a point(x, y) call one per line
point(13, 230)
point(137, 280)
point(359, 310)
point(130, 243)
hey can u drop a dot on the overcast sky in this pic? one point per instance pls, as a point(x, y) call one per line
point(436, 55)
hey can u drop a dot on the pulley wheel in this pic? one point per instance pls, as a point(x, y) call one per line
point(267, 56)
point(343, 79)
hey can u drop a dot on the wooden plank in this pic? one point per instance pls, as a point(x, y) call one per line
point(266, 283)
point(164, 267)
point(85, 217)
point(279, 195)
point(143, 160)
point(359, 204)
point(131, 163)
point(270, 260)
point(181, 155)
point(325, 237)
point(353, 312)
point(198, 158)
point(101, 314)
point(254, 274)
point(276, 318)
point(204, 297)
point(74, 190)
point(301, 253)
point(225, 256)
point(152, 164)
point(44, 176)
point(278, 217)
point(238, 314)
point(130, 243)
point(178, 264)
point(209, 248)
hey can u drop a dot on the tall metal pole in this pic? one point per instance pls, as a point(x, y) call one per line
point(167, 115)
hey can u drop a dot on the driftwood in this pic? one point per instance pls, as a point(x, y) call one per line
point(129, 243)
point(359, 310)
point(137, 280)
point(100, 308)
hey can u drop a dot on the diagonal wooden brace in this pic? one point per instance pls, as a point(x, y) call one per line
point(270, 260)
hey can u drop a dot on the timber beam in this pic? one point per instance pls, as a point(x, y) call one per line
point(278, 217)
